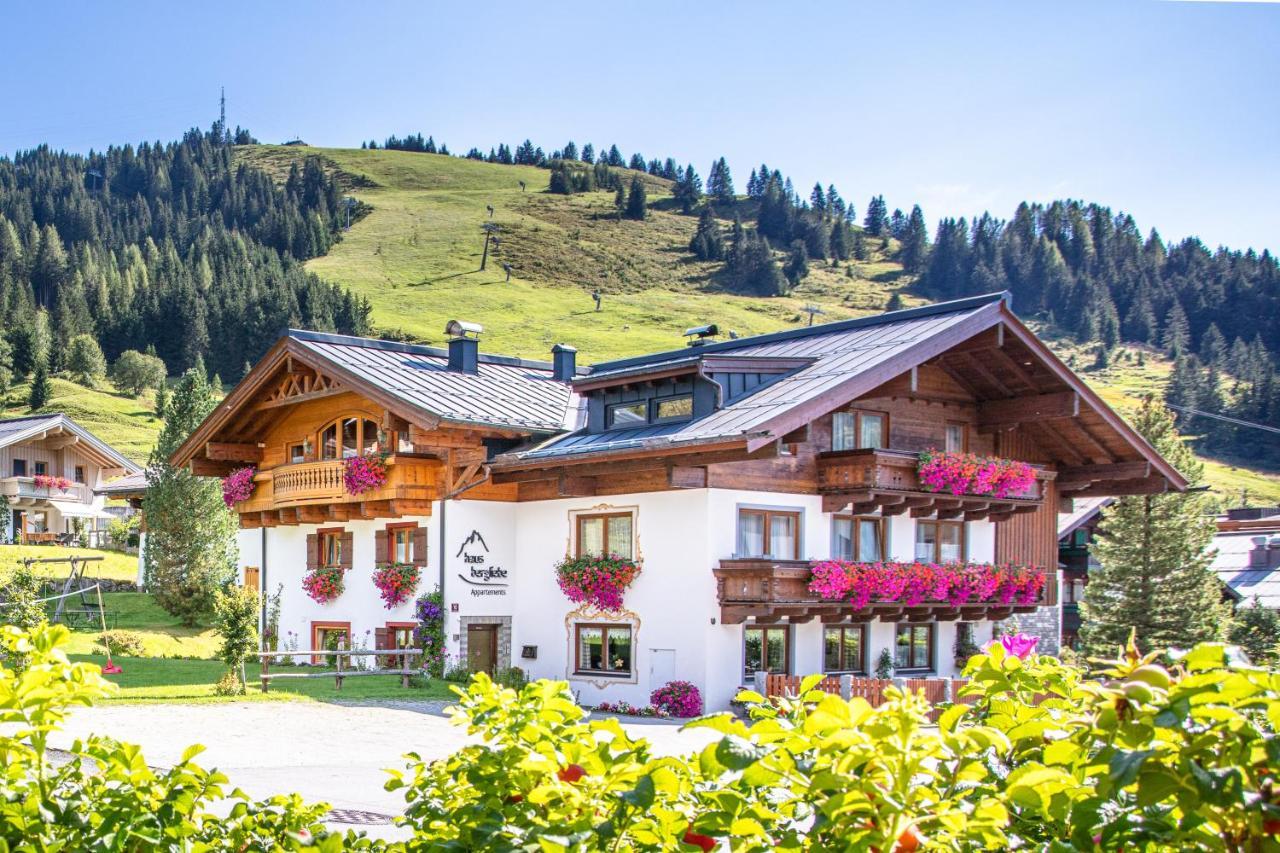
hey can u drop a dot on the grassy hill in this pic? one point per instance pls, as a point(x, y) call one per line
point(127, 423)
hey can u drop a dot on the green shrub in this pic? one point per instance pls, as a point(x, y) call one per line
point(235, 616)
point(129, 644)
point(229, 684)
point(511, 676)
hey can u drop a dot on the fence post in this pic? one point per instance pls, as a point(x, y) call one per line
point(762, 682)
point(846, 687)
point(342, 647)
point(949, 690)
point(900, 683)
point(265, 674)
point(404, 671)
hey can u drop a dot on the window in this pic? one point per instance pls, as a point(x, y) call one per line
point(765, 650)
point(297, 453)
point(329, 442)
point(42, 468)
point(404, 441)
point(957, 437)
point(400, 635)
point(331, 546)
point(251, 577)
point(673, 408)
point(858, 430)
point(599, 535)
point(329, 636)
point(349, 437)
point(627, 414)
point(768, 533)
point(939, 541)
point(19, 467)
point(842, 648)
point(913, 647)
point(858, 538)
point(400, 543)
point(603, 649)
point(79, 472)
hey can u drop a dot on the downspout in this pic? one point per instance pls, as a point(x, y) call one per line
point(262, 581)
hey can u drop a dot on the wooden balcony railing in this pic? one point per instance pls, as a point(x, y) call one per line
point(411, 482)
point(770, 590)
point(888, 480)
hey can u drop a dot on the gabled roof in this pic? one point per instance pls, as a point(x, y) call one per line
point(1082, 512)
point(130, 485)
point(34, 427)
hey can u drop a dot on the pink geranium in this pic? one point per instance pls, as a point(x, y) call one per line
point(362, 474)
point(911, 583)
point(596, 580)
point(967, 474)
point(237, 486)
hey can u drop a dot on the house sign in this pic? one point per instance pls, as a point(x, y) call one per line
point(477, 572)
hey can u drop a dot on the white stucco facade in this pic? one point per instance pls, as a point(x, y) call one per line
point(497, 566)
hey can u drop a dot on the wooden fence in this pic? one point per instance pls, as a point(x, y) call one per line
point(938, 691)
point(340, 671)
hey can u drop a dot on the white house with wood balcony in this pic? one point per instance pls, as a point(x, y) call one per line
point(50, 467)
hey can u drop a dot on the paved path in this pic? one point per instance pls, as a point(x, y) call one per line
point(327, 752)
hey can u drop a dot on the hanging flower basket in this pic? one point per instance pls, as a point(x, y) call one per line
point(324, 584)
point(237, 486)
point(48, 481)
point(955, 583)
point(362, 474)
point(967, 474)
point(396, 582)
point(600, 581)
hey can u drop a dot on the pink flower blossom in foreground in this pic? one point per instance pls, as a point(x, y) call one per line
point(1021, 646)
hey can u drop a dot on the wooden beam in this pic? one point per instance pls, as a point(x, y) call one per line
point(797, 436)
point(550, 470)
point(840, 500)
point(312, 514)
point(982, 370)
point(1117, 488)
point(339, 512)
point(687, 477)
point(576, 487)
point(905, 504)
point(299, 398)
point(996, 414)
point(209, 468)
point(1080, 476)
point(223, 451)
point(1076, 433)
point(976, 511)
point(1044, 435)
point(1011, 365)
point(268, 519)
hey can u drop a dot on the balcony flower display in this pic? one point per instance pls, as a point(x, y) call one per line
point(324, 584)
point(48, 481)
point(396, 582)
point(956, 583)
point(596, 580)
point(362, 474)
point(967, 474)
point(237, 486)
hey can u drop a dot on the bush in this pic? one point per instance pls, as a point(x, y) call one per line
point(235, 617)
point(512, 676)
point(229, 684)
point(85, 360)
point(129, 644)
point(135, 372)
point(678, 698)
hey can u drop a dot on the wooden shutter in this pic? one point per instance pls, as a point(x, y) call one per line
point(420, 546)
point(313, 551)
point(380, 552)
point(251, 577)
point(348, 539)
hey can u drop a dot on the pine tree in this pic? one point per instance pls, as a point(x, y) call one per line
point(721, 189)
point(688, 189)
point(915, 242)
point(162, 401)
point(797, 265)
point(707, 244)
point(876, 222)
point(636, 200)
point(85, 361)
point(1176, 333)
point(1154, 576)
point(588, 153)
point(818, 199)
point(40, 388)
point(190, 552)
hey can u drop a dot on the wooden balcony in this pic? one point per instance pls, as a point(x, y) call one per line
point(773, 590)
point(24, 491)
point(887, 480)
point(313, 492)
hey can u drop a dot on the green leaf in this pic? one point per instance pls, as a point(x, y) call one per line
point(737, 753)
point(642, 795)
point(808, 683)
point(1125, 765)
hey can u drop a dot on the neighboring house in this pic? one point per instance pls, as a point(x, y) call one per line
point(726, 469)
point(131, 488)
point(50, 467)
point(1076, 530)
point(1248, 558)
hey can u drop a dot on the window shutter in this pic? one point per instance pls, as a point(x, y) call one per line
point(420, 546)
point(380, 547)
point(348, 539)
point(313, 551)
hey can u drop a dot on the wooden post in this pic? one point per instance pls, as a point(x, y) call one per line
point(761, 683)
point(846, 687)
point(342, 646)
point(265, 674)
point(404, 671)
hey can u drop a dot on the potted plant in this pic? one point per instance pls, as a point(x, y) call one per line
point(884, 666)
point(324, 584)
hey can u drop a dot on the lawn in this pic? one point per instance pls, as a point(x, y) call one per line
point(186, 681)
point(114, 565)
point(126, 423)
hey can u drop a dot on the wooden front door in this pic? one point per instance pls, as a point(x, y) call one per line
point(482, 648)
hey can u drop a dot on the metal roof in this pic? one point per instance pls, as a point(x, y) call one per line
point(504, 392)
point(1082, 511)
point(839, 351)
point(17, 430)
point(1231, 563)
point(129, 484)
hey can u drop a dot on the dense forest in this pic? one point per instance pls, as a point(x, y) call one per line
point(171, 247)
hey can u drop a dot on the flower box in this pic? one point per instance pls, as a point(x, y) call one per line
point(396, 582)
point(361, 474)
point(955, 583)
point(325, 584)
point(967, 474)
point(237, 486)
point(599, 581)
point(48, 481)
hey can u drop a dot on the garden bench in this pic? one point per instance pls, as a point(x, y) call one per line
point(339, 672)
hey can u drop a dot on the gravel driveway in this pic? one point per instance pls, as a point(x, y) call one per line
point(326, 752)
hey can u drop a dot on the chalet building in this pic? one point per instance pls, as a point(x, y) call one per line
point(1247, 555)
point(1076, 531)
point(50, 467)
point(725, 469)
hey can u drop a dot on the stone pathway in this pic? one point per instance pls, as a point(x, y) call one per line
point(335, 753)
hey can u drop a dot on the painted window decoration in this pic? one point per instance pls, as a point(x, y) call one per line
point(913, 647)
point(939, 541)
point(859, 430)
point(769, 533)
point(859, 538)
point(605, 534)
point(765, 649)
point(603, 649)
point(843, 648)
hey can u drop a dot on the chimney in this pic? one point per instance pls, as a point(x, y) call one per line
point(564, 362)
point(464, 346)
point(1258, 554)
point(1273, 553)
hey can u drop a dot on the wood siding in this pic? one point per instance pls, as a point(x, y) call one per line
point(1031, 538)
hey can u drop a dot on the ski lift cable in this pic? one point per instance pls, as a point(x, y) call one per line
point(1237, 421)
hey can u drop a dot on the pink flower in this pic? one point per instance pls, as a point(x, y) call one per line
point(1021, 646)
point(237, 486)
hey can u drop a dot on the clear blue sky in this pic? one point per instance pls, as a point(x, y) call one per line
point(1164, 109)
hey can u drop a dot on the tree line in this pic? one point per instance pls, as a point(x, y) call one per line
point(172, 247)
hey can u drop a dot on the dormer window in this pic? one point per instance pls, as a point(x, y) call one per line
point(628, 414)
point(673, 409)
